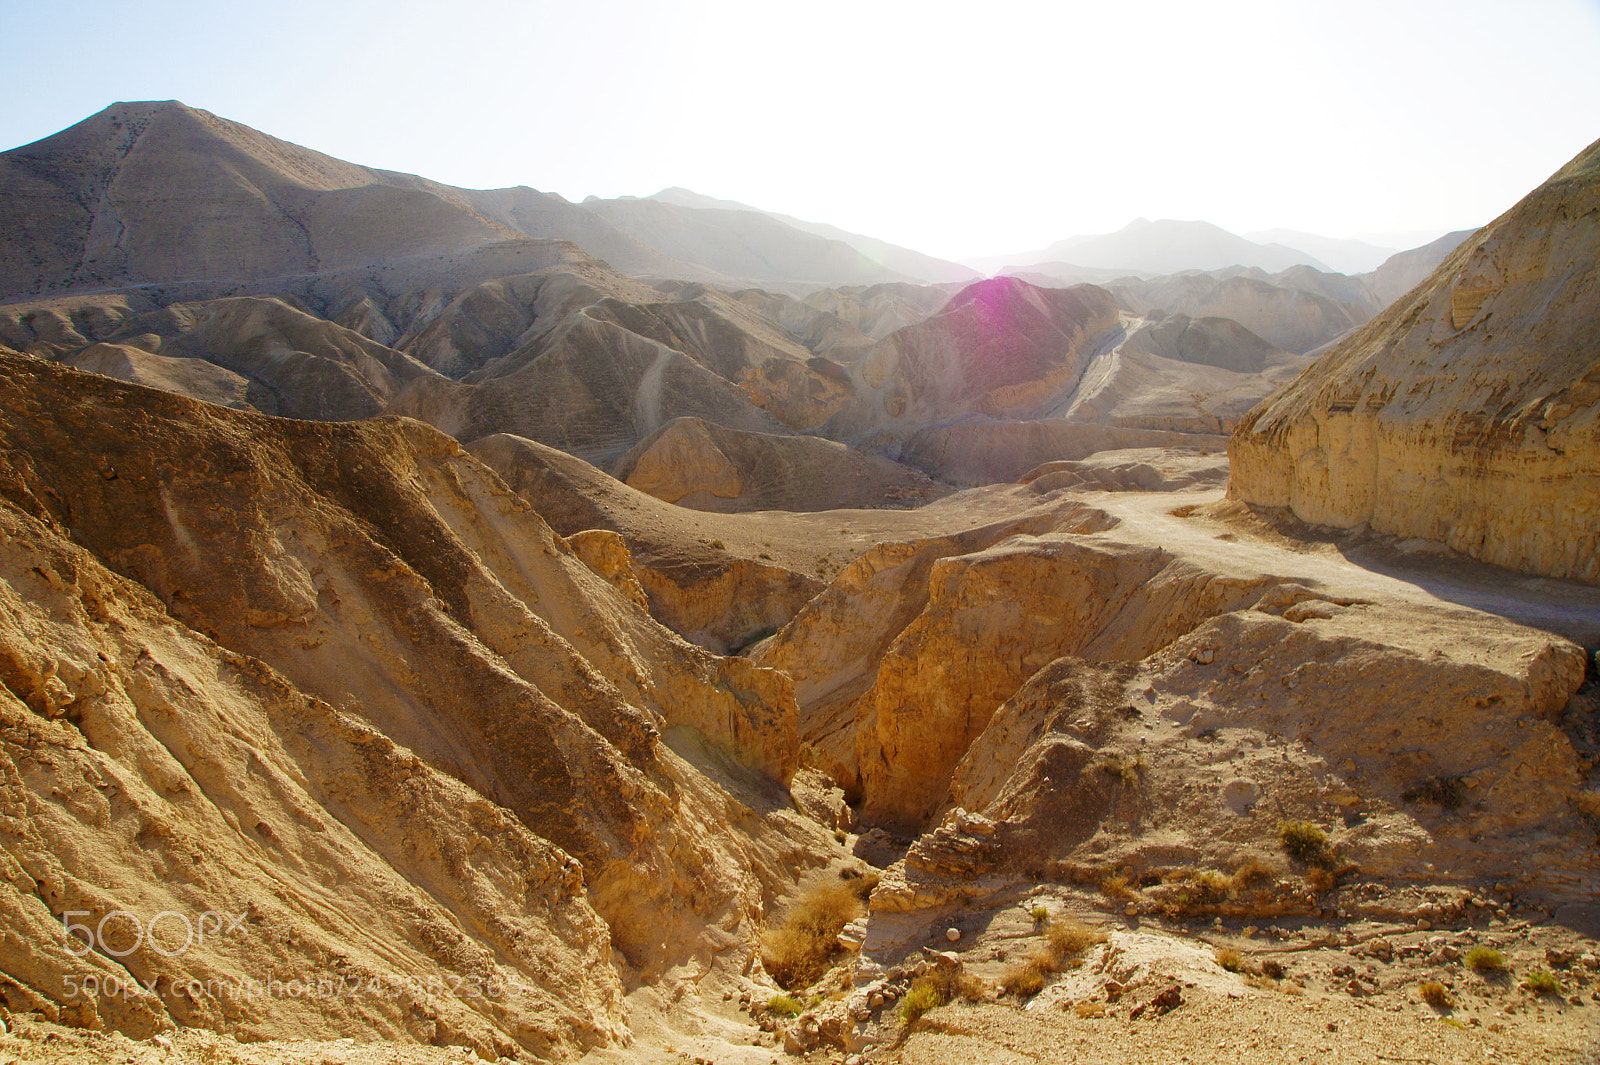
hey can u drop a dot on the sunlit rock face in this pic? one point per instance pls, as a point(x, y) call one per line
point(1468, 412)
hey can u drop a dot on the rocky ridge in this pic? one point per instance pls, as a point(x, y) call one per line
point(1467, 412)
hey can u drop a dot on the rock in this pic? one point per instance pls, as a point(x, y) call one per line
point(952, 934)
point(705, 466)
point(1494, 348)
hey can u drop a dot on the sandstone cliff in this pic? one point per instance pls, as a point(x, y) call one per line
point(1468, 412)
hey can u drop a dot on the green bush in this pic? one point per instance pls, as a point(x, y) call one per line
point(919, 1000)
point(1303, 841)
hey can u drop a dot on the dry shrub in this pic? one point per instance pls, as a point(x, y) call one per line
point(973, 988)
point(1542, 982)
point(1320, 879)
point(1025, 979)
point(1435, 994)
point(1485, 960)
point(1230, 959)
point(1253, 871)
point(1066, 938)
point(796, 952)
point(1115, 886)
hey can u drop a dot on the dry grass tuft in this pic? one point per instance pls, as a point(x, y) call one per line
point(1067, 938)
point(1064, 940)
point(1230, 959)
point(1435, 994)
point(1253, 871)
point(1485, 960)
point(1116, 886)
point(796, 952)
point(1542, 982)
point(1024, 979)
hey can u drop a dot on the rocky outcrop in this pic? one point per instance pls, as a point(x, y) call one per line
point(697, 464)
point(245, 351)
point(1468, 413)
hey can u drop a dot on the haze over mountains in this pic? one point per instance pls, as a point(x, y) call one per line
point(537, 607)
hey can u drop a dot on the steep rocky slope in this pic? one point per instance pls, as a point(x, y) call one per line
point(1467, 413)
point(698, 464)
point(339, 681)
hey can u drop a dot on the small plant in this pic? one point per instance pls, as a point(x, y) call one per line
point(973, 988)
point(1230, 959)
point(1303, 841)
point(1040, 914)
point(1435, 994)
point(1121, 766)
point(1321, 879)
point(923, 996)
point(1024, 980)
point(1115, 886)
point(1444, 792)
point(786, 1005)
point(765, 556)
point(1485, 960)
point(1253, 871)
point(796, 952)
point(1542, 982)
point(1067, 938)
point(717, 544)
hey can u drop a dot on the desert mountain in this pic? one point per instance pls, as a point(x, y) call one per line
point(1468, 412)
point(910, 263)
point(158, 192)
point(1160, 247)
point(1346, 256)
point(1402, 272)
point(743, 244)
point(1287, 310)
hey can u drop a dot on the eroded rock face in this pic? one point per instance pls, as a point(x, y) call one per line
point(251, 662)
point(1468, 413)
point(697, 464)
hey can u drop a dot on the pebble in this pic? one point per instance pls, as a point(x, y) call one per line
point(952, 934)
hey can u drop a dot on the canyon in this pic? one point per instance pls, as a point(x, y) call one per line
point(504, 615)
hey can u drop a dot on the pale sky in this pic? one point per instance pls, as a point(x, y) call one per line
point(958, 129)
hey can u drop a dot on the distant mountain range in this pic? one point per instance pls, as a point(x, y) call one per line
point(158, 193)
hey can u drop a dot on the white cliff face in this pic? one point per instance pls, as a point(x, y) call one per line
point(1467, 413)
